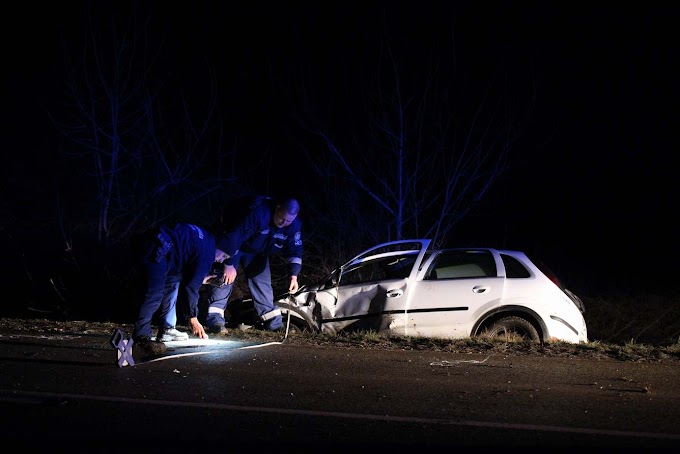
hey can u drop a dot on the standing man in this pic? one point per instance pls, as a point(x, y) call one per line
point(268, 227)
point(174, 258)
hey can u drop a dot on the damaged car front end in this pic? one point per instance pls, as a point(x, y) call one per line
point(403, 288)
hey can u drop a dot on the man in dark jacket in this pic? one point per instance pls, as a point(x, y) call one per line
point(174, 258)
point(268, 227)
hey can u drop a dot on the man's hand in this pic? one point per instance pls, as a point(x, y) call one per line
point(208, 277)
point(293, 287)
point(197, 328)
point(229, 274)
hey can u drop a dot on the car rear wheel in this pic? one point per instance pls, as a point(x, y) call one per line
point(513, 327)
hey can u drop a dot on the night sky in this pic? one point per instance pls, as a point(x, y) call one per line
point(590, 183)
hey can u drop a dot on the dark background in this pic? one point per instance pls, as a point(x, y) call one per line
point(590, 184)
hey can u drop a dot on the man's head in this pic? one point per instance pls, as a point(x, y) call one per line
point(285, 212)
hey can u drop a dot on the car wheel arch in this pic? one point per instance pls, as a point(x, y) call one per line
point(296, 314)
point(489, 318)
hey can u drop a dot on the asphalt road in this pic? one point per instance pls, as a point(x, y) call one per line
point(66, 389)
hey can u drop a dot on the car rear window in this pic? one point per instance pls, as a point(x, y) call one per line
point(514, 268)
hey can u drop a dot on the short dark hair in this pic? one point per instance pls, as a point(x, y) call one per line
point(291, 205)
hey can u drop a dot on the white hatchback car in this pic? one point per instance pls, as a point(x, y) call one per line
point(402, 288)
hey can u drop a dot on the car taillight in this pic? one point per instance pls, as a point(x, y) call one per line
point(549, 274)
point(576, 300)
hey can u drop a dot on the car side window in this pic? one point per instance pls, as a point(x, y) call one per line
point(513, 268)
point(363, 272)
point(332, 280)
point(462, 264)
point(385, 268)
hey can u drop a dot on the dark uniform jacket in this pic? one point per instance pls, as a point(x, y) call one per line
point(255, 233)
point(191, 253)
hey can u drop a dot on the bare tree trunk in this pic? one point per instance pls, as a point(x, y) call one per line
point(146, 169)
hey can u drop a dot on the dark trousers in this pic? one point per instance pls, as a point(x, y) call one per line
point(161, 286)
point(256, 270)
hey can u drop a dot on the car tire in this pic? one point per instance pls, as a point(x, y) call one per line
point(513, 325)
point(295, 326)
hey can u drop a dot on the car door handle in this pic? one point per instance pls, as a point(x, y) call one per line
point(394, 293)
point(479, 289)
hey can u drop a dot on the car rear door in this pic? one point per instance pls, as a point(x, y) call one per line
point(453, 290)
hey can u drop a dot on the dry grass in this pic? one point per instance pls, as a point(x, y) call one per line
point(634, 319)
point(595, 350)
point(630, 328)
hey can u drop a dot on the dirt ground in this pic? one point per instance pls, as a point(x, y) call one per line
point(596, 350)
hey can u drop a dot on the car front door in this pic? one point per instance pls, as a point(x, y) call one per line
point(371, 295)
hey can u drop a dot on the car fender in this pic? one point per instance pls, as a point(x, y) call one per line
point(505, 310)
point(294, 311)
